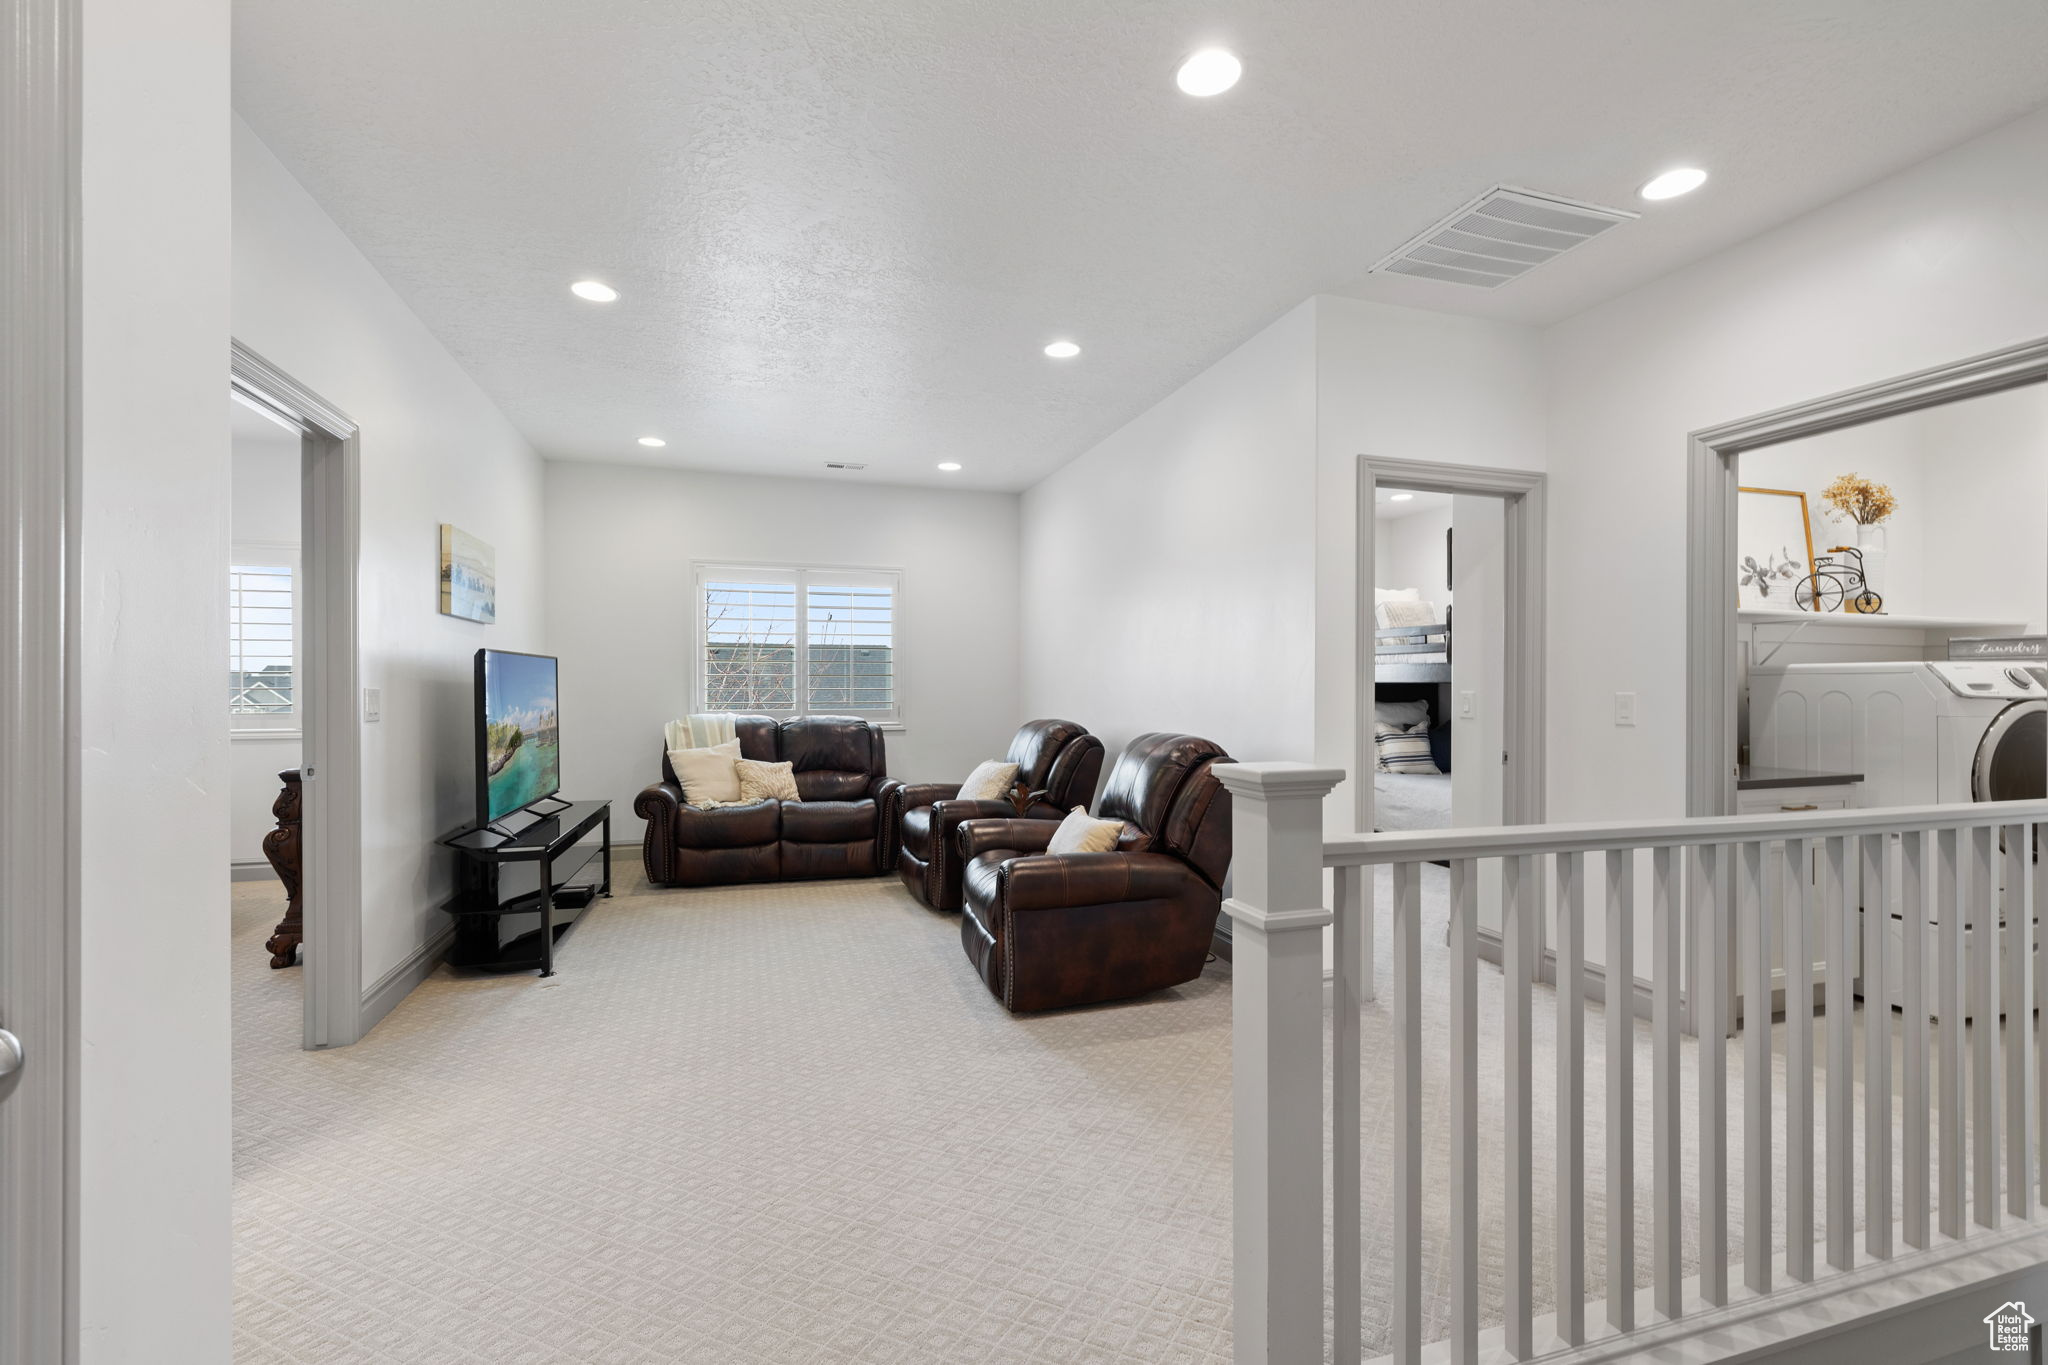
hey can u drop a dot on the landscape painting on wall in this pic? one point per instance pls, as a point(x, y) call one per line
point(469, 576)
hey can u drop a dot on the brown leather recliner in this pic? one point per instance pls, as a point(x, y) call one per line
point(1048, 932)
point(1057, 762)
point(841, 827)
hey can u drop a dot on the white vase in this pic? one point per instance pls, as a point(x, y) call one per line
point(1871, 541)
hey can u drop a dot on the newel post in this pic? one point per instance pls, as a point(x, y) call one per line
point(1277, 918)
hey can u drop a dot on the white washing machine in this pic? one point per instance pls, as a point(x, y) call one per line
point(1922, 733)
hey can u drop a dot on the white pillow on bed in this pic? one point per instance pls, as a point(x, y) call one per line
point(1398, 715)
point(1406, 613)
point(1380, 595)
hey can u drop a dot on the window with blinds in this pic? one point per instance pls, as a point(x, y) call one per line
point(790, 642)
point(262, 674)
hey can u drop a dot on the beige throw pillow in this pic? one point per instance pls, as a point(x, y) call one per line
point(766, 781)
point(1081, 832)
point(1406, 613)
point(707, 774)
point(990, 781)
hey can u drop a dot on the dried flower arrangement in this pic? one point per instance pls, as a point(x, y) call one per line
point(1863, 501)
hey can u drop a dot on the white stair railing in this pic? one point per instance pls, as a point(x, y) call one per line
point(1735, 909)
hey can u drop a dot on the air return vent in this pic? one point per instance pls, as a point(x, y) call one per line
point(842, 464)
point(1500, 236)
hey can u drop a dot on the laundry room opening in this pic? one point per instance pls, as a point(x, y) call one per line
point(1892, 588)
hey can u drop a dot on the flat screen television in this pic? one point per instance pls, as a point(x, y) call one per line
point(518, 758)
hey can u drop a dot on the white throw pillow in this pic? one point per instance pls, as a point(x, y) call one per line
point(1406, 613)
point(1405, 750)
point(1398, 715)
point(990, 781)
point(1081, 832)
point(1380, 595)
point(708, 774)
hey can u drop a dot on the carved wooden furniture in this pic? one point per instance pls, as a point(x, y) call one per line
point(281, 846)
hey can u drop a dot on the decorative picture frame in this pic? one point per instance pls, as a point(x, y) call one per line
point(469, 577)
point(1773, 529)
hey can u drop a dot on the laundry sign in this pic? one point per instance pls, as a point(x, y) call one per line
point(1994, 648)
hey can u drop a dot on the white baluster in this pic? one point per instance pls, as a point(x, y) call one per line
point(2040, 836)
point(2018, 994)
point(1952, 965)
point(1877, 1049)
point(1465, 1111)
point(1797, 876)
point(1666, 948)
point(1407, 913)
point(1569, 1264)
point(1351, 937)
point(1277, 919)
point(1841, 1020)
point(1621, 1094)
point(1519, 934)
point(1986, 1108)
point(1913, 1005)
point(1710, 1011)
point(1756, 931)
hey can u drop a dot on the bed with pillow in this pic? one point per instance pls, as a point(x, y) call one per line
point(1412, 748)
point(1411, 638)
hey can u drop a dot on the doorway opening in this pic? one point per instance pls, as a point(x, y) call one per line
point(291, 701)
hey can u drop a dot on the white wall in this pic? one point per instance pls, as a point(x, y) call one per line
point(1414, 553)
point(1400, 383)
point(1983, 513)
point(1169, 570)
point(1940, 262)
point(434, 449)
point(622, 539)
point(153, 1102)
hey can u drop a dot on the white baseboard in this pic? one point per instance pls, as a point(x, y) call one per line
point(398, 983)
point(252, 872)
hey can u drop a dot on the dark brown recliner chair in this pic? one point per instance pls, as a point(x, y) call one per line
point(1049, 932)
point(1057, 762)
point(839, 829)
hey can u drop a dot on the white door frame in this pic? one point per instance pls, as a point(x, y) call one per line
point(1523, 707)
point(1711, 679)
point(39, 807)
point(331, 828)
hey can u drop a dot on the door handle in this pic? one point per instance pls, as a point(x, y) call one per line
point(10, 1053)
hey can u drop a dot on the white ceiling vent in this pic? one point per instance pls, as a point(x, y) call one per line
point(1500, 236)
point(843, 464)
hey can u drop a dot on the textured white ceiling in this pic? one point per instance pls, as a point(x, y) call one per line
point(844, 231)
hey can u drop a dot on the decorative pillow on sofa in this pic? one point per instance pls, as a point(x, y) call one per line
point(1405, 749)
point(766, 781)
point(707, 775)
point(990, 781)
point(1081, 832)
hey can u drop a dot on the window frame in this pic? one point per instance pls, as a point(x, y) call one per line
point(703, 570)
point(275, 724)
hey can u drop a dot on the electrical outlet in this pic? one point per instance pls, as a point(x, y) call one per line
point(373, 705)
point(1624, 708)
point(1468, 706)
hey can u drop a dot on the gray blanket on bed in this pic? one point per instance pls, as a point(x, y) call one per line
point(1412, 800)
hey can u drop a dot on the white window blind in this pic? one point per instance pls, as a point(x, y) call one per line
point(262, 674)
point(787, 641)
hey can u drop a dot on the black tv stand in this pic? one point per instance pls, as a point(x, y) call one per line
point(518, 892)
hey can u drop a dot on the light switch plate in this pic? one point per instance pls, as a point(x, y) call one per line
point(1468, 706)
point(373, 705)
point(1624, 708)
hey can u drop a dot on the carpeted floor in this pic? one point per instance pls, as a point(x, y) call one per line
point(786, 1124)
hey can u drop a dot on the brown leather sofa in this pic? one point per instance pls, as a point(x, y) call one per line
point(1057, 763)
point(1050, 932)
point(839, 829)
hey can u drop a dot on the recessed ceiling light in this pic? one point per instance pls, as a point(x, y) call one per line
point(1402, 497)
point(950, 466)
point(594, 290)
point(1671, 184)
point(1063, 350)
point(655, 441)
point(1209, 72)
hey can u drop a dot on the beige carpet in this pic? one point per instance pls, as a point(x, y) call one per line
point(780, 1124)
